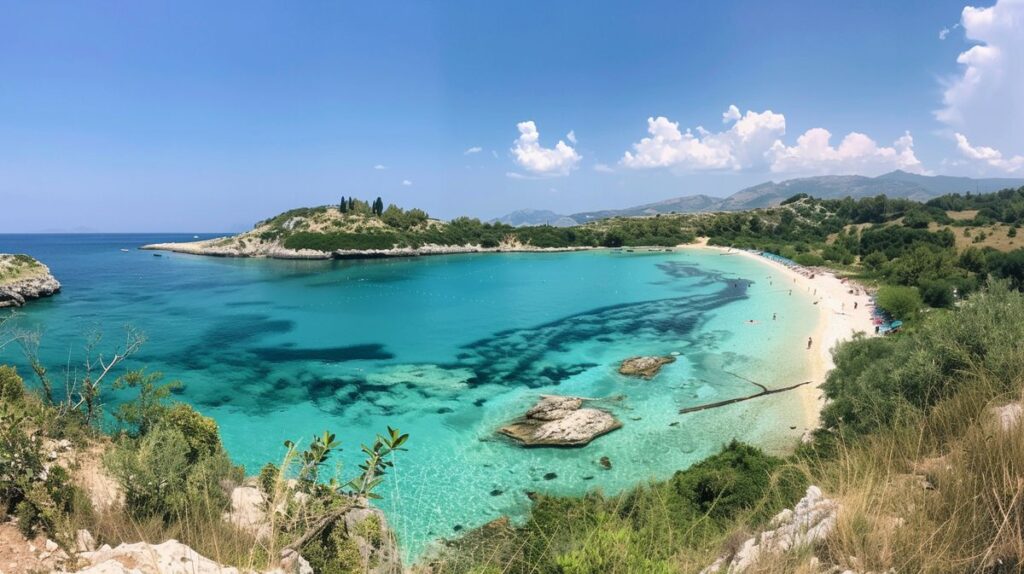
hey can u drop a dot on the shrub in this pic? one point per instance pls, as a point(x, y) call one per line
point(12, 388)
point(200, 432)
point(809, 260)
point(159, 480)
point(901, 302)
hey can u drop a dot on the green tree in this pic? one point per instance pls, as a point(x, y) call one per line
point(901, 302)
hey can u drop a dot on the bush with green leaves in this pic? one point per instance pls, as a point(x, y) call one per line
point(161, 477)
point(880, 381)
point(901, 302)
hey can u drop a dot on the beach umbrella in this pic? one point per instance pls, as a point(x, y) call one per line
point(896, 324)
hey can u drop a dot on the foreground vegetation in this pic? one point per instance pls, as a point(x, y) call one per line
point(161, 472)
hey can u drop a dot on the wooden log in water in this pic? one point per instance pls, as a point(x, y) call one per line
point(764, 391)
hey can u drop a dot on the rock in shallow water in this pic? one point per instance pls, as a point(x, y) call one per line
point(559, 421)
point(646, 367)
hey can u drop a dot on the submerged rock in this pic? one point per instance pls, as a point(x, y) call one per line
point(560, 421)
point(646, 367)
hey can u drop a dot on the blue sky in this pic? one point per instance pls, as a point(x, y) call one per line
point(196, 116)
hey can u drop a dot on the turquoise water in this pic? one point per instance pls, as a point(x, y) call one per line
point(446, 348)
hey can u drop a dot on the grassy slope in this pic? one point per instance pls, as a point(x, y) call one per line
point(16, 267)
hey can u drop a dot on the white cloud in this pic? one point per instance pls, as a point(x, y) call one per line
point(379, 167)
point(753, 141)
point(571, 136)
point(473, 150)
point(989, 156)
point(603, 168)
point(529, 154)
point(943, 33)
point(741, 146)
point(407, 182)
point(984, 101)
point(856, 154)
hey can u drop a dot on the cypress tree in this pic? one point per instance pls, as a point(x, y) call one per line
point(343, 205)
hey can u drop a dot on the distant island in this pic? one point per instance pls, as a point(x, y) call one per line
point(22, 278)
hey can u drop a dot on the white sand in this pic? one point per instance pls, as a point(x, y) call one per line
point(838, 321)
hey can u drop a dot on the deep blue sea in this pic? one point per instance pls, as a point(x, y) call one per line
point(447, 348)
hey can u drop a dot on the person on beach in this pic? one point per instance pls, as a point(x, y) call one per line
point(854, 305)
point(809, 342)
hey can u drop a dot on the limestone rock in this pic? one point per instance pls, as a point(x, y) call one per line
point(368, 528)
point(1008, 416)
point(84, 542)
point(22, 279)
point(646, 367)
point(810, 521)
point(248, 511)
point(559, 421)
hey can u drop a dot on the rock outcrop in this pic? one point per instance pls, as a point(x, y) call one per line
point(646, 367)
point(810, 521)
point(22, 278)
point(560, 421)
point(170, 557)
point(1007, 417)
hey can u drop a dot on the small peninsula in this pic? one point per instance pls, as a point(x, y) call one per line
point(22, 278)
point(357, 229)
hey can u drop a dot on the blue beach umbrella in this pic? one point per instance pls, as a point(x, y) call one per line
point(896, 324)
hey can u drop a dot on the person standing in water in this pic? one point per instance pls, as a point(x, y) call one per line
point(809, 342)
point(774, 315)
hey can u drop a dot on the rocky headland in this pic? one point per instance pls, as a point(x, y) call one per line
point(22, 279)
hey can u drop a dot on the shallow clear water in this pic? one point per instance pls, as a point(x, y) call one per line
point(446, 348)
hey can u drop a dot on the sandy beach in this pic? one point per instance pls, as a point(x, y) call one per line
point(838, 321)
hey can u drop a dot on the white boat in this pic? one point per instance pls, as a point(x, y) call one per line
point(125, 250)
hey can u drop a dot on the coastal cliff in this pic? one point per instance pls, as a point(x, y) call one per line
point(22, 278)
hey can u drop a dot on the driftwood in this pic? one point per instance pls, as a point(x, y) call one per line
point(764, 391)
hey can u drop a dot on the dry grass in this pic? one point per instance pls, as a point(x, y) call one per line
point(943, 495)
point(996, 236)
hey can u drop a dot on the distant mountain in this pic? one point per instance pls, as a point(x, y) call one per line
point(685, 204)
point(943, 184)
point(535, 217)
point(893, 184)
point(824, 187)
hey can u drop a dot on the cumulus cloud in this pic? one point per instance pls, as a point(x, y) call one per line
point(529, 154)
point(753, 141)
point(473, 150)
point(571, 136)
point(989, 156)
point(984, 101)
point(741, 146)
point(856, 154)
point(407, 182)
point(943, 33)
point(379, 167)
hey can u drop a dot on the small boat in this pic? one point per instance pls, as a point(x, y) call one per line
point(125, 250)
point(157, 255)
point(195, 237)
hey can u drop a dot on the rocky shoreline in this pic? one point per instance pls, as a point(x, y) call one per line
point(23, 279)
point(227, 247)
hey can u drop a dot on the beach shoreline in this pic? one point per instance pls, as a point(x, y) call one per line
point(838, 321)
